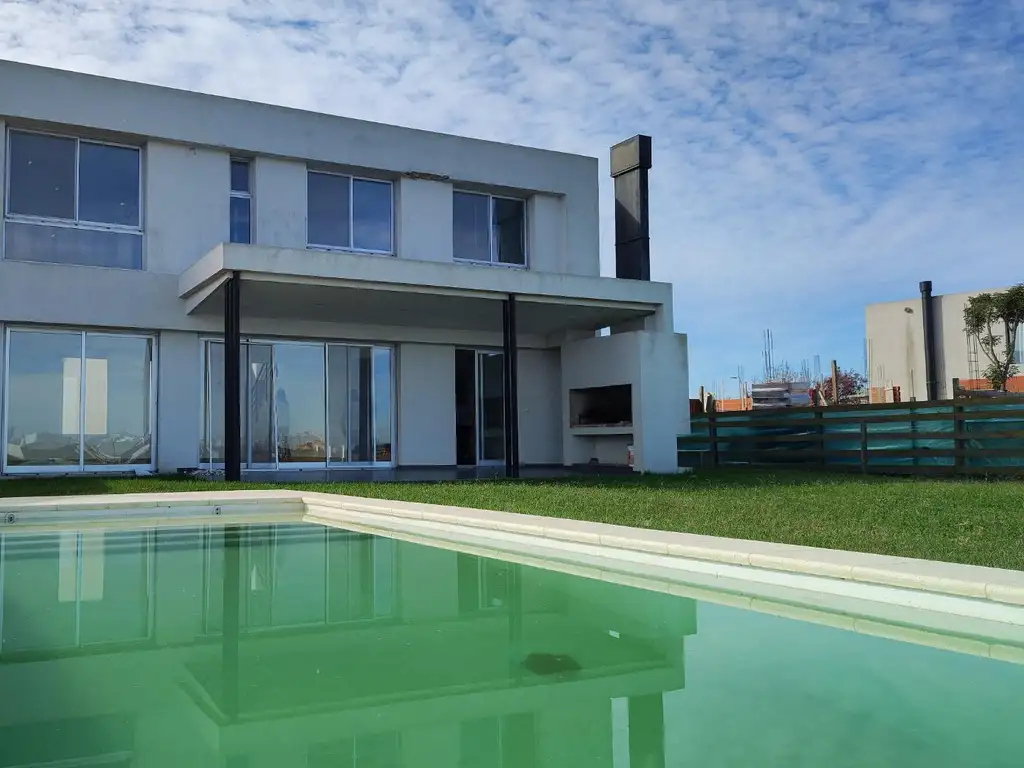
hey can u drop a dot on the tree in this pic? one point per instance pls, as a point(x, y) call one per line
point(851, 387)
point(993, 319)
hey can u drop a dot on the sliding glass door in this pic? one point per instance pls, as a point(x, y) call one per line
point(78, 400)
point(304, 404)
point(479, 407)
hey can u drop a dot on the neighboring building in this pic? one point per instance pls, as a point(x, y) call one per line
point(896, 349)
point(372, 281)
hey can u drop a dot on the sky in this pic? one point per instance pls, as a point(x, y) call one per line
point(809, 157)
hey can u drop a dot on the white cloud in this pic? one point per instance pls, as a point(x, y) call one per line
point(810, 157)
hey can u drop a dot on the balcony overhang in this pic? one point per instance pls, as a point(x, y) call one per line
point(335, 287)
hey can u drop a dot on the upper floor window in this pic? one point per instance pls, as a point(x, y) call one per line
point(241, 201)
point(489, 229)
point(73, 201)
point(348, 213)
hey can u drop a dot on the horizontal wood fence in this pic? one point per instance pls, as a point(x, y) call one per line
point(979, 437)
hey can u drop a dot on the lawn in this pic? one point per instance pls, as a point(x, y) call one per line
point(964, 521)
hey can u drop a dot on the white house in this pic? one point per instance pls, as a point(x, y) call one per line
point(390, 297)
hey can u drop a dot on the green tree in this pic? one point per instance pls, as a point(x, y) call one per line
point(985, 316)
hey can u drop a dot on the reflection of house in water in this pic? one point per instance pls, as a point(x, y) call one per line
point(301, 646)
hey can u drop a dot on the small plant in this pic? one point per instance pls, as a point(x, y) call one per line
point(984, 316)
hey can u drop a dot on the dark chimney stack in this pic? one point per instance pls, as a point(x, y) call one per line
point(630, 161)
point(928, 321)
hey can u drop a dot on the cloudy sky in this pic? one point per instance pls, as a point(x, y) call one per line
point(809, 157)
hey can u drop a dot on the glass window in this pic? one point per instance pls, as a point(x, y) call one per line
point(371, 215)
point(382, 402)
point(49, 404)
point(118, 372)
point(360, 382)
point(349, 213)
point(44, 388)
point(241, 202)
point(328, 210)
point(337, 401)
point(84, 188)
point(471, 226)
point(299, 400)
point(42, 176)
point(108, 184)
point(491, 229)
point(240, 176)
point(507, 221)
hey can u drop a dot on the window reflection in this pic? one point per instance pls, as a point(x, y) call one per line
point(62, 397)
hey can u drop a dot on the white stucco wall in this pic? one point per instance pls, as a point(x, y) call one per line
point(426, 405)
point(179, 400)
point(424, 220)
point(249, 129)
point(187, 204)
point(3, 165)
point(546, 244)
point(540, 406)
point(279, 202)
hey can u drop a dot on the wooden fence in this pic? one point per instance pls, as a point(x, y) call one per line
point(980, 437)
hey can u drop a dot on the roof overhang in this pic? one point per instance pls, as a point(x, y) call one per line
point(281, 283)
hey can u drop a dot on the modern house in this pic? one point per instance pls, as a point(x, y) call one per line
point(191, 281)
point(900, 335)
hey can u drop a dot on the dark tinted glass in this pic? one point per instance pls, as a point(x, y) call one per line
point(42, 176)
point(508, 231)
point(371, 215)
point(240, 223)
point(328, 210)
point(239, 176)
point(108, 184)
point(471, 226)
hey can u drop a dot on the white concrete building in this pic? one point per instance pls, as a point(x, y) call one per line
point(896, 347)
point(387, 287)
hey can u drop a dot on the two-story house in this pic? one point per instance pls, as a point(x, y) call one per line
point(190, 280)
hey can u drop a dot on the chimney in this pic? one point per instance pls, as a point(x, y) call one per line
point(630, 161)
point(928, 321)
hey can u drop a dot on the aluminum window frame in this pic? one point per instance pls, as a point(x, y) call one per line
point(351, 248)
point(492, 244)
point(206, 423)
point(76, 223)
point(81, 468)
point(240, 195)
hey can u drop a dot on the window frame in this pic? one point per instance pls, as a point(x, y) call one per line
point(351, 248)
point(493, 262)
point(82, 468)
point(239, 195)
point(75, 223)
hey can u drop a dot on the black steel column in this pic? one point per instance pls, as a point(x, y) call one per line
point(928, 321)
point(232, 379)
point(511, 373)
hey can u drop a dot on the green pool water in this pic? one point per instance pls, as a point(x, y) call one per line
point(297, 645)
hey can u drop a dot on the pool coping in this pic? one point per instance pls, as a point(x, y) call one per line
point(995, 585)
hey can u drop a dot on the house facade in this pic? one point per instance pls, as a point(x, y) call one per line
point(366, 295)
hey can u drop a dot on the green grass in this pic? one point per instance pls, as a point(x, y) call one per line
point(963, 521)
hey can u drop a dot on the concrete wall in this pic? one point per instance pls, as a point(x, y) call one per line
point(3, 165)
point(547, 249)
point(424, 226)
point(179, 400)
point(895, 334)
point(426, 405)
point(187, 204)
point(279, 202)
point(256, 130)
point(540, 407)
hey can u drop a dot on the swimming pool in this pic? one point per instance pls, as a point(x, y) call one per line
point(266, 639)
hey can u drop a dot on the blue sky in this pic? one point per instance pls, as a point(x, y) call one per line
point(809, 157)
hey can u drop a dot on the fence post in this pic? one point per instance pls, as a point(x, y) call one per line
point(713, 439)
point(958, 436)
point(863, 445)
